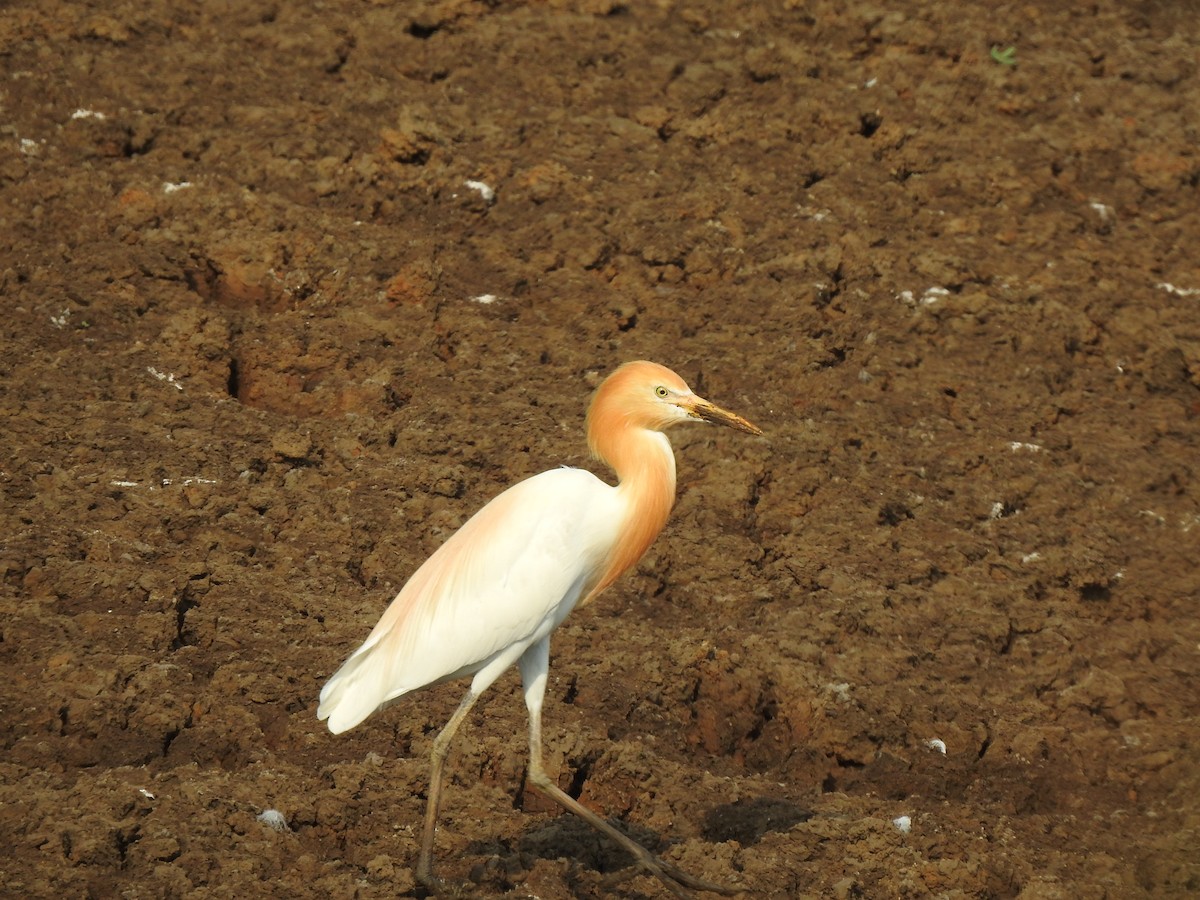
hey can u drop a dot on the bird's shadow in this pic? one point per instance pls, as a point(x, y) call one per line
point(566, 837)
point(748, 819)
point(563, 837)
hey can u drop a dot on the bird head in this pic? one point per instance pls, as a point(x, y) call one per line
point(646, 395)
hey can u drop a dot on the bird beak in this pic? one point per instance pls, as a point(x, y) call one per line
point(710, 412)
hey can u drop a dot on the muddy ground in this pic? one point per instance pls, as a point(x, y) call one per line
point(264, 348)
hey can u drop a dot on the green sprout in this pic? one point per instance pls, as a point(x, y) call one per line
point(1007, 57)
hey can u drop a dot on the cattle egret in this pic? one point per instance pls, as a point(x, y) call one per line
point(492, 594)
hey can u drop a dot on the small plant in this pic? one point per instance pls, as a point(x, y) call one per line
point(1006, 57)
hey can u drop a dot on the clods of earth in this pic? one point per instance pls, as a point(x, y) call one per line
point(290, 290)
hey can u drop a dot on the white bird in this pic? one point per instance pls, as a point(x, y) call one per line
point(493, 593)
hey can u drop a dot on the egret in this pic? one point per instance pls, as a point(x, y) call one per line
point(491, 595)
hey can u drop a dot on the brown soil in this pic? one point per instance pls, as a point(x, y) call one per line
point(249, 384)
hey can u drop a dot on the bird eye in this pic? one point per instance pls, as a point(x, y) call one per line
point(661, 391)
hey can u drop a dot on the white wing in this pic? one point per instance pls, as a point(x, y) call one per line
point(504, 580)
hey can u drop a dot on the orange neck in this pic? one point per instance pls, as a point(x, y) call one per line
point(645, 467)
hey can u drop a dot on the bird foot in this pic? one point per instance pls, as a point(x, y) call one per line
point(677, 881)
point(436, 887)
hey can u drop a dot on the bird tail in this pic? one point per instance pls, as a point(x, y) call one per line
point(341, 703)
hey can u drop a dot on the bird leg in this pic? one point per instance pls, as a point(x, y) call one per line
point(679, 882)
point(441, 747)
point(534, 667)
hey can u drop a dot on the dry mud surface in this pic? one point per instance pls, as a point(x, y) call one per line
point(264, 348)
